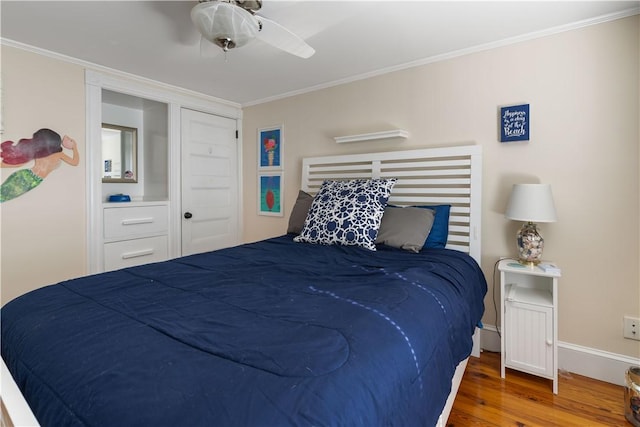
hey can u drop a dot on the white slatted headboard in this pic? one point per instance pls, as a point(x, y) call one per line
point(428, 176)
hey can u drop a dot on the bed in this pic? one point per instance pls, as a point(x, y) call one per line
point(273, 333)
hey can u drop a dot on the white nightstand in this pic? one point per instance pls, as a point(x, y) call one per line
point(529, 307)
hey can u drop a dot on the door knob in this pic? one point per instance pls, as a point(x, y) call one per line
point(187, 215)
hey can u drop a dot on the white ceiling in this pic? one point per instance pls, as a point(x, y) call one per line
point(352, 39)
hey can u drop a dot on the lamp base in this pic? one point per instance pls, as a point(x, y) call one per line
point(530, 245)
point(529, 264)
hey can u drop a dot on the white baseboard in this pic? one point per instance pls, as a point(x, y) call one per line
point(489, 339)
point(589, 362)
point(598, 364)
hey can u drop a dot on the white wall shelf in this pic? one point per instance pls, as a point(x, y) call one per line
point(386, 134)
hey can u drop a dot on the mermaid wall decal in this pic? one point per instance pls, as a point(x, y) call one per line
point(45, 149)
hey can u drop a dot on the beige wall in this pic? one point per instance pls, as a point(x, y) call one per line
point(43, 232)
point(582, 87)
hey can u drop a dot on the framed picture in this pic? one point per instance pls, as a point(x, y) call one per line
point(270, 194)
point(270, 142)
point(514, 123)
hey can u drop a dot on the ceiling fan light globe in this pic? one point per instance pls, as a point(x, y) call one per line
point(219, 20)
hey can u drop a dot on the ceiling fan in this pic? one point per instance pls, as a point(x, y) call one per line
point(233, 23)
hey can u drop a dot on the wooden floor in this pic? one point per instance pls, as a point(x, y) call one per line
point(485, 399)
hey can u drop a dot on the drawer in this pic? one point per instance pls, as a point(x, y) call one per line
point(135, 221)
point(135, 252)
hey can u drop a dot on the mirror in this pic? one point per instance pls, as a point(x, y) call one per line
point(119, 147)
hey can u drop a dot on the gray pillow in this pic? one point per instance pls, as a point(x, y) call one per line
point(405, 228)
point(299, 212)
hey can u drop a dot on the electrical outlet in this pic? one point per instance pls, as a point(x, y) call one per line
point(632, 328)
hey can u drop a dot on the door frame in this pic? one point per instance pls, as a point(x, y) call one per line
point(176, 98)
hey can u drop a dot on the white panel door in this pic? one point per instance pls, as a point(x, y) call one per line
point(210, 206)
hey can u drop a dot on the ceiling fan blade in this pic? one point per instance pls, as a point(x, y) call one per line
point(280, 37)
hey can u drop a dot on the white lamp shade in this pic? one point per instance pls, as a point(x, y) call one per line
point(531, 202)
point(218, 21)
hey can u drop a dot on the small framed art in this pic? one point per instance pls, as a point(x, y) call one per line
point(514, 123)
point(270, 194)
point(270, 142)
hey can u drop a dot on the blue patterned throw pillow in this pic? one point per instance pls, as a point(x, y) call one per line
point(347, 213)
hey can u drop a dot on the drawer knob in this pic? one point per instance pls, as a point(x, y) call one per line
point(187, 215)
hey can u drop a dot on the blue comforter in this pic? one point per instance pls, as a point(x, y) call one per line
point(273, 333)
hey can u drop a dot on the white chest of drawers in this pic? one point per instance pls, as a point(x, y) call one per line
point(135, 234)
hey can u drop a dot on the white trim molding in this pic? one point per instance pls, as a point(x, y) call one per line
point(572, 358)
point(590, 362)
point(457, 53)
point(490, 338)
point(106, 74)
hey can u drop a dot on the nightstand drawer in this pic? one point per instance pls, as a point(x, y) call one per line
point(135, 221)
point(128, 253)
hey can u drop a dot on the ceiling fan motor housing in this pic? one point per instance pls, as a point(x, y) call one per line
point(234, 23)
point(225, 24)
point(250, 5)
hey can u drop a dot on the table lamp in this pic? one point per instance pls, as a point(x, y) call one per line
point(530, 203)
